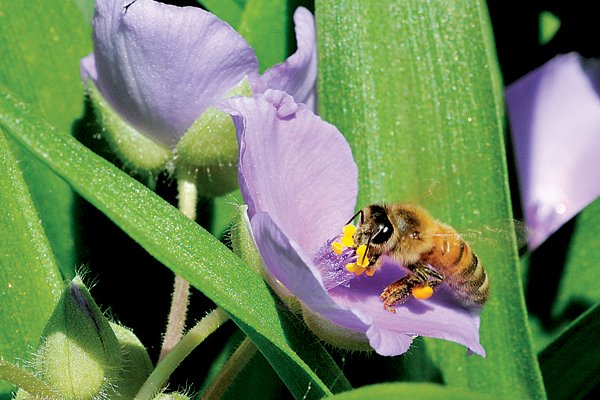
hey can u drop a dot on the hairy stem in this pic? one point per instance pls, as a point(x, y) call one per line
point(230, 370)
point(188, 342)
point(188, 199)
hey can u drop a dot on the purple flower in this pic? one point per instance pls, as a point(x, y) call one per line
point(161, 66)
point(554, 114)
point(299, 180)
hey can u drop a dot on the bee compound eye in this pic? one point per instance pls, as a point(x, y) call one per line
point(383, 234)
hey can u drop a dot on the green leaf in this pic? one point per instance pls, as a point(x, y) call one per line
point(570, 364)
point(415, 87)
point(182, 245)
point(409, 391)
point(41, 47)
point(30, 283)
point(228, 10)
point(581, 266)
point(263, 23)
point(559, 275)
point(264, 26)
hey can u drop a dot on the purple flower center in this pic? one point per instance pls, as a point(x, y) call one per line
point(339, 260)
point(332, 266)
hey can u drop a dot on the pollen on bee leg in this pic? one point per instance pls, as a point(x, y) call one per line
point(422, 292)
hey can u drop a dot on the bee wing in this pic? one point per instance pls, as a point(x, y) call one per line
point(497, 232)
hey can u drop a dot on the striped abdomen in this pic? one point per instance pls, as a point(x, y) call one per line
point(453, 257)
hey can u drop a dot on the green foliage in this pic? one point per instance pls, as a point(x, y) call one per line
point(228, 10)
point(41, 47)
point(409, 391)
point(264, 25)
point(30, 282)
point(581, 265)
point(570, 363)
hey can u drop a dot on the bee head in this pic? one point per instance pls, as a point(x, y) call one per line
point(375, 228)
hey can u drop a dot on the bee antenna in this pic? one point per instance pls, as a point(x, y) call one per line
point(381, 228)
point(367, 249)
point(362, 217)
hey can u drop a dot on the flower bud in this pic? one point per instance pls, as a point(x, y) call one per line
point(135, 364)
point(140, 153)
point(171, 396)
point(209, 151)
point(80, 355)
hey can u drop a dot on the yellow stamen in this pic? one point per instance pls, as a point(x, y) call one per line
point(349, 230)
point(347, 241)
point(423, 292)
point(362, 259)
point(361, 250)
point(348, 236)
point(355, 269)
point(370, 271)
point(337, 247)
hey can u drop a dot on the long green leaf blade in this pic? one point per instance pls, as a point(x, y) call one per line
point(264, 25)
point(228, 10)
point(409, 391)
point(581, 260)
point(570, 364)
point(41, 47)
point(415, 87)
point(30, 282)
point(183, 246)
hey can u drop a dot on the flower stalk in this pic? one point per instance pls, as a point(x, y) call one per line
point(232, 368)
point(188, 199)
point(180, 351)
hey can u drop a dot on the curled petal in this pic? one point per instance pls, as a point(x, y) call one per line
point(297, 76)
point(391, 334)
point(287, 263)
point(554, 114)
point(161, 66)
point(295, 166)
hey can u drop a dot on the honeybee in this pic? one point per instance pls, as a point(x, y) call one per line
point(432, 251)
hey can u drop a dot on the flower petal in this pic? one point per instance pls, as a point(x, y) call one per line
point(294, 166)
point(161, 66)
point(390, 334)
point(298, 74)
point(87, 68)
point(554, 114)
point(286, 262)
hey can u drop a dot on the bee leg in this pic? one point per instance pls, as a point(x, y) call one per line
point(428, 275)
point(399, 291)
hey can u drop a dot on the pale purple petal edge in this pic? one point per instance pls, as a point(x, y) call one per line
point(554, 113)
point(298, 74)
point(161, 66)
